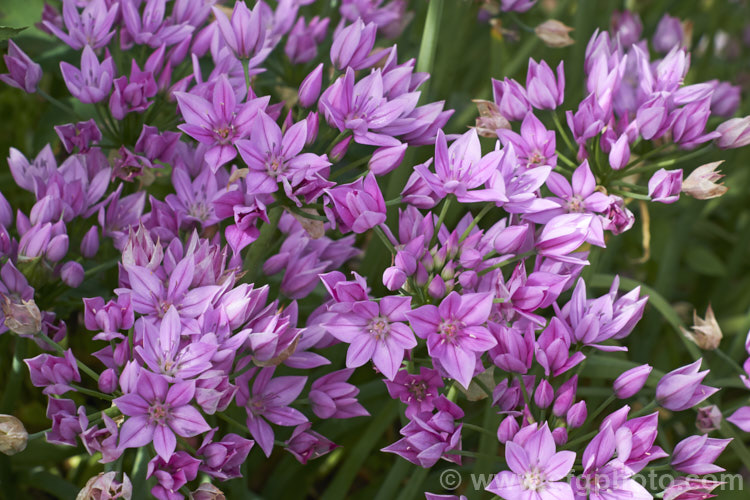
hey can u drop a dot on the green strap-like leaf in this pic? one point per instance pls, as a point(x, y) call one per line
point(339, 487)
point(6, 32)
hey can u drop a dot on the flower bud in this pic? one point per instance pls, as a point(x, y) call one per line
point(554, 34)
point(631, 381)
point(6, 212)
point(669, 33)
point(544, 89)
point(696, 455)
point(108, 381)
point(23, 73)
point(34, 241)
point(207, 491)
point(566, 394)
point(706, 332)
point(339, 150)
point(72, 274)
point(13, 435)
point(23, 318)
point(57, 248)
point(436, 289)
point(577, 414)
point(309, 89)
point(510, 239)
point(560, 435)
point(516, 5)
point(681, 389)
point(352, 46)
point(735, 133)
point(393, 278)
point(619, 155)
point(689, 488)
point(313, 125)
point(507, 429)
point(387, 158)
point(544, 394)
point(511, 99)
point(90, 243)
point(725, 99)
point(626, 27)
point(665, 185)
point(708, 419)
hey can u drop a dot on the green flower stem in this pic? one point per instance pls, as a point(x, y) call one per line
point(566, 160)
point(381, 234)
point(92, 393)
point(430, 36)
point(480, 215)
point(525, 393)
point(561, 130)
point(602, 406)
point(479, 428)
point(57, 103)
point(506, 262)
point(441, 219)
point(101, 267)
point(669, 162)
point(726, 357)
point(645, 409)
point(342, 135)
point(226, 418)
point(85, 369)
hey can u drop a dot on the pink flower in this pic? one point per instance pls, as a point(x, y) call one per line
point(157, 413)
point(454, 332)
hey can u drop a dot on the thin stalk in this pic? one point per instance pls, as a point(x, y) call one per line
point(565, 159)
point(629, 194)
point(572, 444)
point(246, 70)
point(226, 418)
point(645, 409)
point(523, 390)
point(336, 140)
point(92, 393)
point(561, 130)
point(101, 267)
point(602, 406)
point(351, 166)
point(476, 220)
point(57, 103)
point(726, 357)
point(441, 219)
point(85, 369)
point(506, 262)
point(669, 162)
point(381, 234)
point(430, 36)
point(479, 428)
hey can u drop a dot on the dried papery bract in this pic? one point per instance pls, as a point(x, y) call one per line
point(13, 435)
point(21, 316)
point(701, 183)
point(207, 491)
point(105, 487)
point(554, 34)
point(706, 332)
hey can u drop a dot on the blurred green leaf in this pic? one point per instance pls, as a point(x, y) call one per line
point(704, 261)
point(7, 32)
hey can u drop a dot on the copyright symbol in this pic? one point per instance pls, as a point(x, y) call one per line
point(450, 479)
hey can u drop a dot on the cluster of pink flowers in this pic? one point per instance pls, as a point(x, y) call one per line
point(233, 287)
